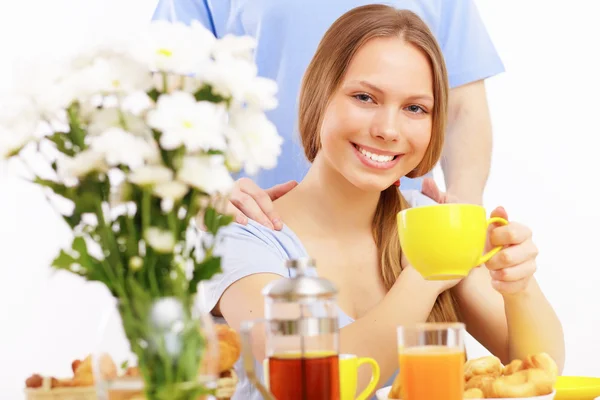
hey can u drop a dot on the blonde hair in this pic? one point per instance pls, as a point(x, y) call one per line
point(323, 77)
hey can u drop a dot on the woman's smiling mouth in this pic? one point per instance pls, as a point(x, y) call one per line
point(375, 158)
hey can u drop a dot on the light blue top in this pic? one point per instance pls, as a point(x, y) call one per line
point(255, 249)
point(288, 33)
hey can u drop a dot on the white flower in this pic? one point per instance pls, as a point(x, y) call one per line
point(185, 121)
point(230, 77)
point(206, 173)
point(165, 313)
point(136, 103)
point(81, 165)
point(18, 123)
point(253, 140)
point(121, 147)
point(175, 47)
point(238, 47)
point(160, 240)
point(106, 118)
point(260, 94)
point(170, 190)
point(44, 83)
point(237, 79)
point(105, 71)
point(151, 175)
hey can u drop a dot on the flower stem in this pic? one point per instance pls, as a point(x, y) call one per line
point(109, 242)
point(77, 134)
point(132, 237)
point(146, 212)
point(151, 269)
point(165, 79)
point(172, 220)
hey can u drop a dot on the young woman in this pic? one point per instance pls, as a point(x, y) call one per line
point(372, 109)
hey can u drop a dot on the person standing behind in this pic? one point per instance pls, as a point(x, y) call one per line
point(287, 34)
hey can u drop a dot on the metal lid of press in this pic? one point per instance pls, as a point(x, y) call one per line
point(301, 286)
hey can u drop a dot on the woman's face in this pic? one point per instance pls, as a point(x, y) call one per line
point(377, 125)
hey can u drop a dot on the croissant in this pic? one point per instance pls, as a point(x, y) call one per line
point(525, 383)
point(481, 382)
point(490, 365)
point(514, 366)
point(542, 361)
point(229, 347)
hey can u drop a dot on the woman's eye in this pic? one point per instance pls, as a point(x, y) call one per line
point(365, 98)
point(416, 109)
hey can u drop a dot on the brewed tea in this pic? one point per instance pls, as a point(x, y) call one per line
point(314, 377)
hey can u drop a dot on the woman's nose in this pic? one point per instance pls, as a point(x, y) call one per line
point(386, 124)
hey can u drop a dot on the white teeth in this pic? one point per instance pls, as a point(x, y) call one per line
point(375, 157)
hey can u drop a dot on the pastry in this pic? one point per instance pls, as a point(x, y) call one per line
point(132, 372)
point(481, 382)
point(34, 381)
point(541, 361)
point(489, 365)
point(229, 347)
point(107, 367)
point(84, 375)
point(513, 366)
point(396, 391)
point(473, 394)
point(521, 384)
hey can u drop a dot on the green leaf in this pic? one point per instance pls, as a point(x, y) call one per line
point(79, 262)
point(63, 144)
point(56, 187)
point(203, 271)
point(205, 93)
point(214, 220)
point(76, 134)
point(86, 203)
point(153, 94)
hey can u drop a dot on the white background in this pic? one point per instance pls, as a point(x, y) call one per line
point(545, 172)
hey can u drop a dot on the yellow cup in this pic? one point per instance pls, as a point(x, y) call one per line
point(445, 241)
point(348, 367)
point(349, 364)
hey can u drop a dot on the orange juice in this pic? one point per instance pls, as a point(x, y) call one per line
point(432, 372)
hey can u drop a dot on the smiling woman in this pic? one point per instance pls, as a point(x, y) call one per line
point(372, 109)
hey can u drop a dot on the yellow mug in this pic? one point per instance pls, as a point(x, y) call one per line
point(445, 241)
point(349, 364)
point(348, 367)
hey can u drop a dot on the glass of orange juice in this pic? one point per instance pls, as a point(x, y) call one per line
point(432, 358)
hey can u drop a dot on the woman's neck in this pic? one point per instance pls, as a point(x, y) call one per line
point(330, 201)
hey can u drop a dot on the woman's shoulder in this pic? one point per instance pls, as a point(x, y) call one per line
point(248, 250)
point(254, 236)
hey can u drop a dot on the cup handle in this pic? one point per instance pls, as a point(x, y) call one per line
point(248, 358)
point(375, 373)
point(486, 257)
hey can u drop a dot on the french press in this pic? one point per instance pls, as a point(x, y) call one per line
point(301, 337)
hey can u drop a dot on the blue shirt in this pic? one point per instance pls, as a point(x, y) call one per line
point(255, 249)
point(289, 31)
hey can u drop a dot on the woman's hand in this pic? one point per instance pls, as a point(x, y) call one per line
point(512, 267)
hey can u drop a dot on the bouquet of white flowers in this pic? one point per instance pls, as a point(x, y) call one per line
point(141, 136)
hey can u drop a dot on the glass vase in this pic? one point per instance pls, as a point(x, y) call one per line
point(157, 350)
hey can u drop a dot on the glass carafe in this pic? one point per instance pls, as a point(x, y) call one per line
point(301, 338)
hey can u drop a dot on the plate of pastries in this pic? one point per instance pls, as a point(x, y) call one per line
point(532, 378)
point(81, 384)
